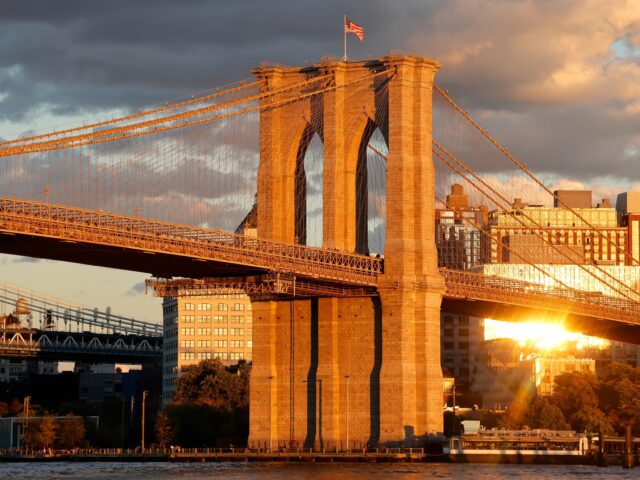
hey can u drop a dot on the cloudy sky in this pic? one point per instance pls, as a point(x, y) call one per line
point(557, 81)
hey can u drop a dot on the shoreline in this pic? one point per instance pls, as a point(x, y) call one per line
point(308, 457)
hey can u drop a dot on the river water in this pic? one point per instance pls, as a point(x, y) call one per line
point(296, 471)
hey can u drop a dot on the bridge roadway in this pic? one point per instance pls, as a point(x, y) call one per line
point(168, 250)
point(164, 249)
point(86, 346)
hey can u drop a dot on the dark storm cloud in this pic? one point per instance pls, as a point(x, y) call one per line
point(541, 76)
point(87, 54)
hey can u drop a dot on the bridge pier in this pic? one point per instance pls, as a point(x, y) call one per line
point(363, 368)
point(336, 367)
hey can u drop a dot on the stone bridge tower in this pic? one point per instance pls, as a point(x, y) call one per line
point(366, 370)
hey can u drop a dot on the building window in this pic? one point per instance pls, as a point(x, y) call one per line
point(220, 331)
point(189, 306)
point(220, 318)
point(238, 306)
point(448, 332)
point(187, 318)
point(448, 345)
point(463, 332)
point(223, 307)
point(236, 331)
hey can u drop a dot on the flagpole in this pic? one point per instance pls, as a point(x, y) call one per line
point(344, 32)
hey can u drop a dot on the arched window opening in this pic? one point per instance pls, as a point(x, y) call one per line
point(371, 193)
point(308, 191)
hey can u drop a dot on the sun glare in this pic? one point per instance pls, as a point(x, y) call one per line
point(543, 336)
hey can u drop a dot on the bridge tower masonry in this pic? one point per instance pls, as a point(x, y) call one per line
point(363, 370)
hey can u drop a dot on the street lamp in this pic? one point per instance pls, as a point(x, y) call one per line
point(144, 398)
point(346, 377)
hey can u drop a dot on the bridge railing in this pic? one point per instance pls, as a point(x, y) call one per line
point(478, 286)
point(70, 223)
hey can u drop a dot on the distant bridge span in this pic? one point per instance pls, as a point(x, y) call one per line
point(80, 346)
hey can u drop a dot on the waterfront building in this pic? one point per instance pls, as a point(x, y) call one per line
point(461, 340)
point(503, 364)
point(202, 328)
point(528, 231)
point(547, 369)
point(628, 207)
point(460, 247)
point(16, 369)
point(459, 239)
point(512, 368)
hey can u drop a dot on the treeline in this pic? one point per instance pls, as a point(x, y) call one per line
point(55, 433)
point(117, 426)
point(210, 407)
point(580, 401)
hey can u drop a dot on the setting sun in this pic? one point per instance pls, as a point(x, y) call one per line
point(541, 335)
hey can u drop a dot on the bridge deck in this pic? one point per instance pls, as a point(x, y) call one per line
point(94, 227)
point(476, 286)
point(320, 272)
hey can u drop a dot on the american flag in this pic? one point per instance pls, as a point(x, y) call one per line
point(351, 27)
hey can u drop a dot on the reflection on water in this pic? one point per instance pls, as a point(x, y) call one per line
point(294, 471)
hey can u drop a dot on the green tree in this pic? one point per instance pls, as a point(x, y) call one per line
point(31, 437)
point(619, 395)
point(211, 405)
point(575, 394)
point(163, 429)
point(71, 432)
point(210, 383)
point(48, 431)
point(543, 414)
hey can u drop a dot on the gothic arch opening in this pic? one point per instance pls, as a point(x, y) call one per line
point(371, 191)
point(308, 189)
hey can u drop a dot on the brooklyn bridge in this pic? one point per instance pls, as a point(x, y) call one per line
point(314, 189)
